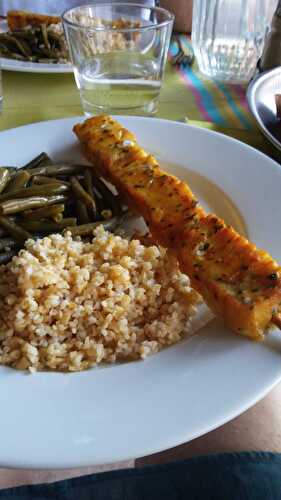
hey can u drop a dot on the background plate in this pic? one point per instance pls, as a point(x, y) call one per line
point(29, 67)
point(261, 99)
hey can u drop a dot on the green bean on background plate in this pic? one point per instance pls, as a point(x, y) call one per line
point(35, 44)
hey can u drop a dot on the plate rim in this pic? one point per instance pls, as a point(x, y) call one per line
point(7, 65)
point(226, 418)
point(147, 119)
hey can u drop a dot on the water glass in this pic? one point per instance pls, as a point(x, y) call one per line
point(228, 36)
point(118, 51)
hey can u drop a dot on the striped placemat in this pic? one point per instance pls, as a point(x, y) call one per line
point(220, 103)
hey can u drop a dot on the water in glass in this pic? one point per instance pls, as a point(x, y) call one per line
point(119, 82)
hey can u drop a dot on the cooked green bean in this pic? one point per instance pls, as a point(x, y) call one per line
point(47, 226)
point(26, 50)
point(49, 53)
point(82, 195)
point(3, 49)
point(25, 34)
point(9, 54)
point(106, 214)
point(45, 36)
point(19, 45)
point(12, 170)
point(42, 179)
point(4, 258)
point(88, 182)
point(107, 195)
point(4, 178)
point(55, 170)
point(44, 190)
point(63, 169)
point(53, 35)
point(47, 60)
point(38, 44)
point(4, 289)
point(46, 197)
point(36, 51)
point(45, 212)
point(57, 198)
point(8, 243)
point(81, 209)
point(58, 217)
point(101, 205)
point(14, 230)
point(38, 160)
point(18, 181)
point(17, 205)
point(87, 229)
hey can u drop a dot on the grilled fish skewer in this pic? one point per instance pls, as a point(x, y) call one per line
point(240, 283)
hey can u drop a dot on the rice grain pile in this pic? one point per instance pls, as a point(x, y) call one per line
point(67, 305)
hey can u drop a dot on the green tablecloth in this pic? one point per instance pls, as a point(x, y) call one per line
point(185, 94)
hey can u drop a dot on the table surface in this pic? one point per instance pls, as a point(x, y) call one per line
point(186, 96)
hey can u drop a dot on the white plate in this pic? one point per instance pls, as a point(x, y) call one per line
point(30, 67)
point(134, 409)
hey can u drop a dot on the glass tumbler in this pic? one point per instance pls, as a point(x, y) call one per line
point(118, 51)
point(228, 36)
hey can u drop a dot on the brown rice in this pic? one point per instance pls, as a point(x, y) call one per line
point(67, 305)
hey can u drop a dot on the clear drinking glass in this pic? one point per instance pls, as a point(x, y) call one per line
point(228, 36)
point(118, 51)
